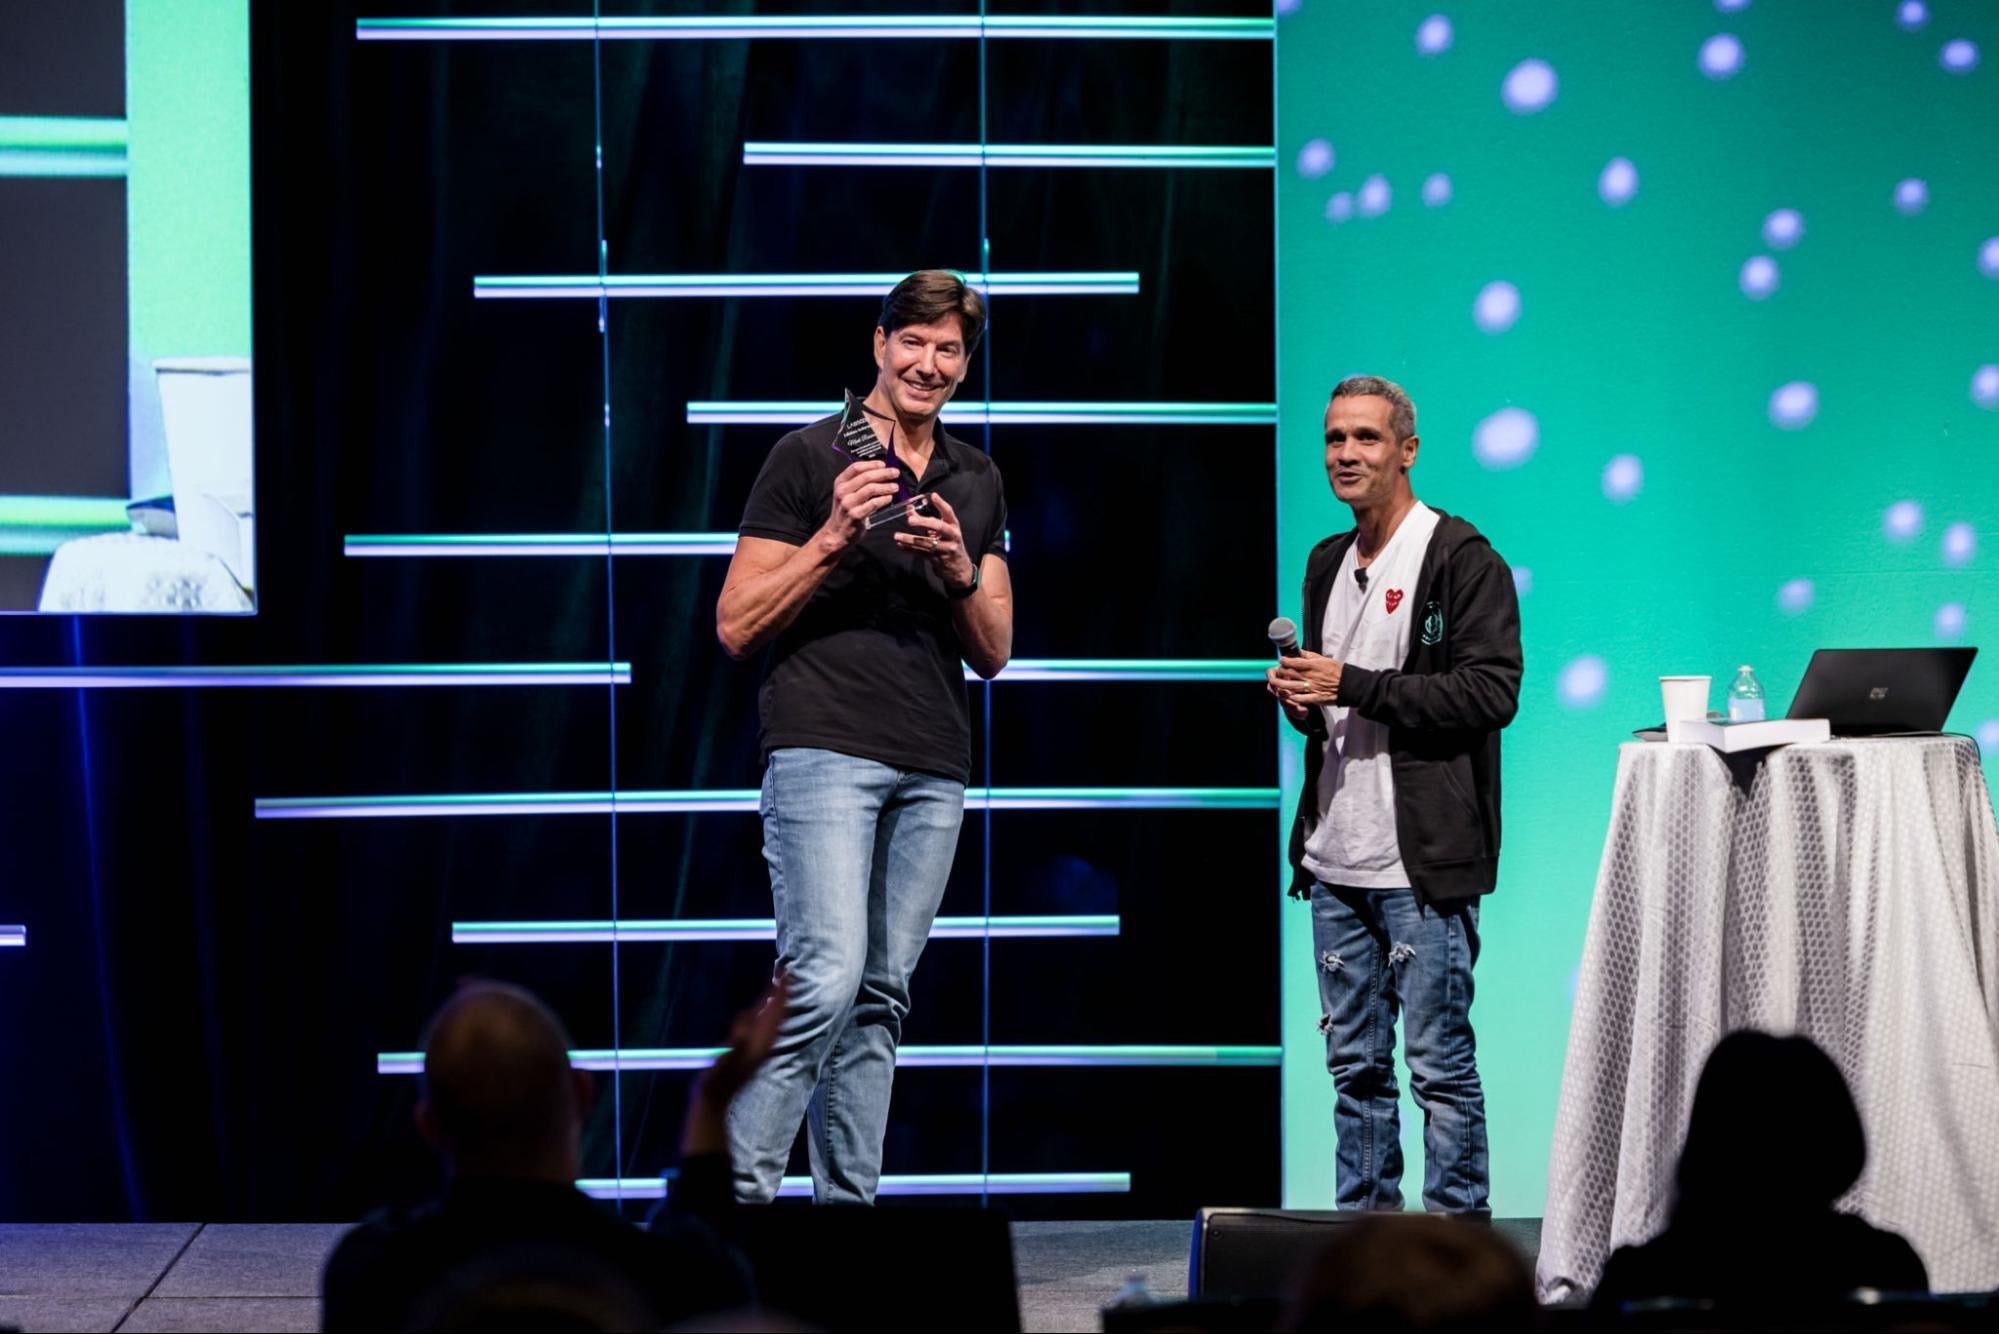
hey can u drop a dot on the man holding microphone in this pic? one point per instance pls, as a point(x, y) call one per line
point(1417, 630)
point(866, 727)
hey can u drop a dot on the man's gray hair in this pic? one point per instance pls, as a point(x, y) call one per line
point(1401, 418)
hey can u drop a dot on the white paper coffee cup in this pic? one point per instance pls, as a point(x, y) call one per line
point(1685, 697)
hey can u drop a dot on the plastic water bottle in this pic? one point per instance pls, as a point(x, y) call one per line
point(1745, 697)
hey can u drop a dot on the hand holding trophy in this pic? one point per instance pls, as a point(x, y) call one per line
point(856, 439)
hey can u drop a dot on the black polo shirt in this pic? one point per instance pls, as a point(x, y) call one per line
point(872, 665)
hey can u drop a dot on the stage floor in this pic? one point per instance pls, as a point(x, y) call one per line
point(265, 1276)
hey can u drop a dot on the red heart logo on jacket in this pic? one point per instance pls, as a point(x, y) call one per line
point(1394, 599)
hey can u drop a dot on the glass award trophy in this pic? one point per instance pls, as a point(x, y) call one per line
point(856, 438)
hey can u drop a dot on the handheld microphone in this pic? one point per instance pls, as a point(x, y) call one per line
point(1283, 634)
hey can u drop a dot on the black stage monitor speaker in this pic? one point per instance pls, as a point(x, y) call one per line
point(1251, 1254)
point(1207, 1317)
point(856, 1268)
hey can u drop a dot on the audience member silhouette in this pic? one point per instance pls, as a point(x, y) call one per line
point(511, 1242)
point(1772, 1143)
point(547, 1287)
point(1413, 1272)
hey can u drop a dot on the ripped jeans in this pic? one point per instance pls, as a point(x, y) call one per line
point(1379, 951)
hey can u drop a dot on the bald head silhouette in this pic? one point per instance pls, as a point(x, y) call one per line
point(499, 1096)
point(1387, 1271)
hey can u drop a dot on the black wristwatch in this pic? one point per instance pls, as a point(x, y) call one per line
point(960, 594)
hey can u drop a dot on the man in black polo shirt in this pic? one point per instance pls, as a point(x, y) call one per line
point(866, 728)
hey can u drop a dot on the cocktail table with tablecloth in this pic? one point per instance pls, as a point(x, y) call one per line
point(1846, 890)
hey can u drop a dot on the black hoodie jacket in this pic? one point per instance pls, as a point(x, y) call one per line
point(1458, 687)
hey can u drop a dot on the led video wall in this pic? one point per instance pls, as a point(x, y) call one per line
point(538, 287)
point(127, 480)
point(1699, 306)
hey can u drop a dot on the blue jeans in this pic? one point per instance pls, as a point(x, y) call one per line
point(1379, 951)
point(859, 855)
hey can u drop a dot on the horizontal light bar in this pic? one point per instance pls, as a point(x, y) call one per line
point(371, 674)
point(761, 153)
point(505, 803)
point(757, 928)
point(13, 935)
point(697, 801)
point(1094, 1056)
point(813, 26)
point(1130, 669)
point(67, 146)
point(875, 285)
point(539, 544)
point(994, 1183)
point(518, 545)
point(795, 412)
point(638, 1058)
point(37, 525)
point(911, 1057)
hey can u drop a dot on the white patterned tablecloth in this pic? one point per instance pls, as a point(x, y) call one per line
point(135, 572)
point(1848, 891)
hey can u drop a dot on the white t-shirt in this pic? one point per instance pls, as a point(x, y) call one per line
point(1354, 842)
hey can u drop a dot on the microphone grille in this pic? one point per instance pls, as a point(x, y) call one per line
point(1283, 630)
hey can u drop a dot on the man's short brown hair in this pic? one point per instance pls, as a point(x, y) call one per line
point(927, 296)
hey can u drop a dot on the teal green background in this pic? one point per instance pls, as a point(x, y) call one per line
point(187, 199)
point(1634, 338)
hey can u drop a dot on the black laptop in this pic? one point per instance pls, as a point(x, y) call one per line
point(1873, 691)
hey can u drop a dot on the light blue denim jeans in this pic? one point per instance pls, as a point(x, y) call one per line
point(1381, 952)
point(859, 855)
